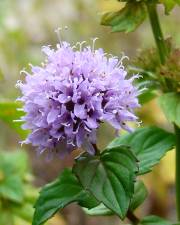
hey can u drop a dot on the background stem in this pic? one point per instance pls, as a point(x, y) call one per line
point(159, 39)
point(163, 54)
point(177, 131)
point(158, 35)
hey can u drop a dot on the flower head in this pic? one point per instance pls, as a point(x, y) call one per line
point(67, 99)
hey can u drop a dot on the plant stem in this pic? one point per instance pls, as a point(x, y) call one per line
point(177, 132)
point(97, 151)
point(158, 35)
point(133, 218)
point(163, 54)
point(159, 39)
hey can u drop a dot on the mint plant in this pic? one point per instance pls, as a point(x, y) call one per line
point(77, 89)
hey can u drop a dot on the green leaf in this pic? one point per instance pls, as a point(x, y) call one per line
point(30, 193)
point(170, 104)
point(18, 160)
point(12, 188)
point(109, 177)
point(24, 211)
point(154, 220)
point(147, 96)
point(169, 5)
point(100, 210)
point(140, 194)
point(9, 113)
point(149, 92)
point(127, 19)
point(56, 195)
point(149, 144)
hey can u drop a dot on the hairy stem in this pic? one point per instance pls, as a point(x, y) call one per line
point(156, 29)
point(133, 218)
point(163, 54)
point(177, 132)
point(159, 39)
point(97, 151)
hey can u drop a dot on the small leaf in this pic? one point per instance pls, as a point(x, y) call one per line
point(9, 113)
point(149, 144)
point(127, 19)
point(12, 188)
point(140, 194)
point(169, 5)
point(154, 220)
point(170, 104)
point(19, 161)
point(109, 177)
point(147, 96)
point(56, 195)
point(100, 210)
point(24, 211)
point(30, 193)
point(149, 91)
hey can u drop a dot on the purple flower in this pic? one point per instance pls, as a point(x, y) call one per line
point(67, 99)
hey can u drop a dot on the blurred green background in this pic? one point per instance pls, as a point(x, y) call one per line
point(25, 26)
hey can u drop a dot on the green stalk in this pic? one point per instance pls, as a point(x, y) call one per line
point(156, 29)
point(163, 54)
point(177, 132)
point(159, 39)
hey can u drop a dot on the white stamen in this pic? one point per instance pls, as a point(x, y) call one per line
point(18, 121)
point(80, 45)
point(19, 109)
point(139, 123)
point(58, 46)
point(22, 143)
point(74, 47)
point(71, 143)
point(58, 32)
point(124, 57)
point(24, 71)
point(119, 64)
point(93, 43)
point(19, 84)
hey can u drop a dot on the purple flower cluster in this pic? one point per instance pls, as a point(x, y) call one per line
point(67, 99)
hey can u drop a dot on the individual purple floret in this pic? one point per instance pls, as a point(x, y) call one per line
point(67, 98)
